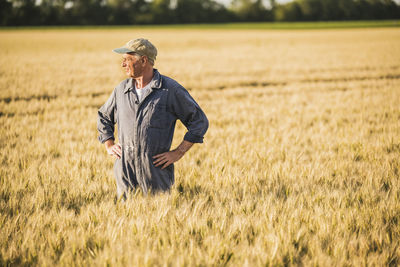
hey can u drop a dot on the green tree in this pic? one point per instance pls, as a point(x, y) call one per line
point(251, 10)
point(323, 10)
point(24, 12)
point(163, 12)
point(194, 11)
point(289, 12)
point(5, 12)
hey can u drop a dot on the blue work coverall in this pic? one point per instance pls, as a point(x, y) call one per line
point(146, 129)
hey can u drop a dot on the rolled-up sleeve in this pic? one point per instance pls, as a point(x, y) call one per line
point(190, 114)
point(106, 119)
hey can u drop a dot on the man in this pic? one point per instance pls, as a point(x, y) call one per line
point(146, 106)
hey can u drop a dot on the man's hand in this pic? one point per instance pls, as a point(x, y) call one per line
point(113, 149)
point(167, 158)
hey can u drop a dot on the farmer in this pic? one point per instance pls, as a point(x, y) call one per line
point(146, 106)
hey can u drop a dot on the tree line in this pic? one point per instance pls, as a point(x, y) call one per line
point(131, 12)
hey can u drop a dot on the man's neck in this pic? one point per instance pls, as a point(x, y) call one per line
point(145, 79)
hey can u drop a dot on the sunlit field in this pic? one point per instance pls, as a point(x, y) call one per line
point(300, 165)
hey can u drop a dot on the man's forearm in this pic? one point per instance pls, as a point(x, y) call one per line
point(109, 143)
point(167, 158)
point(112, 148)
point(184, 147)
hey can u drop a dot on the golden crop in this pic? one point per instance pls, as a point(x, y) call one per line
point(300, 165)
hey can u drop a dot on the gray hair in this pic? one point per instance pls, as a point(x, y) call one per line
point(137, 55)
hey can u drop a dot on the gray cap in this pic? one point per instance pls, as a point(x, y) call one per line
point(140, 46)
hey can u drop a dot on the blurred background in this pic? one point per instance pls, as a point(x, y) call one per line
point(131, 12)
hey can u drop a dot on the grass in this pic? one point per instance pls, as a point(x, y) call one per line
point(300, 165)
point(308, 25)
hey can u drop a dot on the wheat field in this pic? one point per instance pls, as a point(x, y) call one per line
point(300, 165)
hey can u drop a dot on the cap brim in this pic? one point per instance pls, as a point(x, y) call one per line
point(122, 50)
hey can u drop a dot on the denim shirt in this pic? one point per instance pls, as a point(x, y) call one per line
point(146, 129)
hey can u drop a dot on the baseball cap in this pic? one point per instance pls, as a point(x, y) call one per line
point(140, 46)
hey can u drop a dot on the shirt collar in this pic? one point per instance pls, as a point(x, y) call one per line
point(155, 82)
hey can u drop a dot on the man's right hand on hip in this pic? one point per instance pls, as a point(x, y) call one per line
point(113, 149)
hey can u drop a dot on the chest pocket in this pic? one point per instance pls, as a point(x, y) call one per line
point(158, 115)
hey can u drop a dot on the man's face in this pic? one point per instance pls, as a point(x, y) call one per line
point(133, 65)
